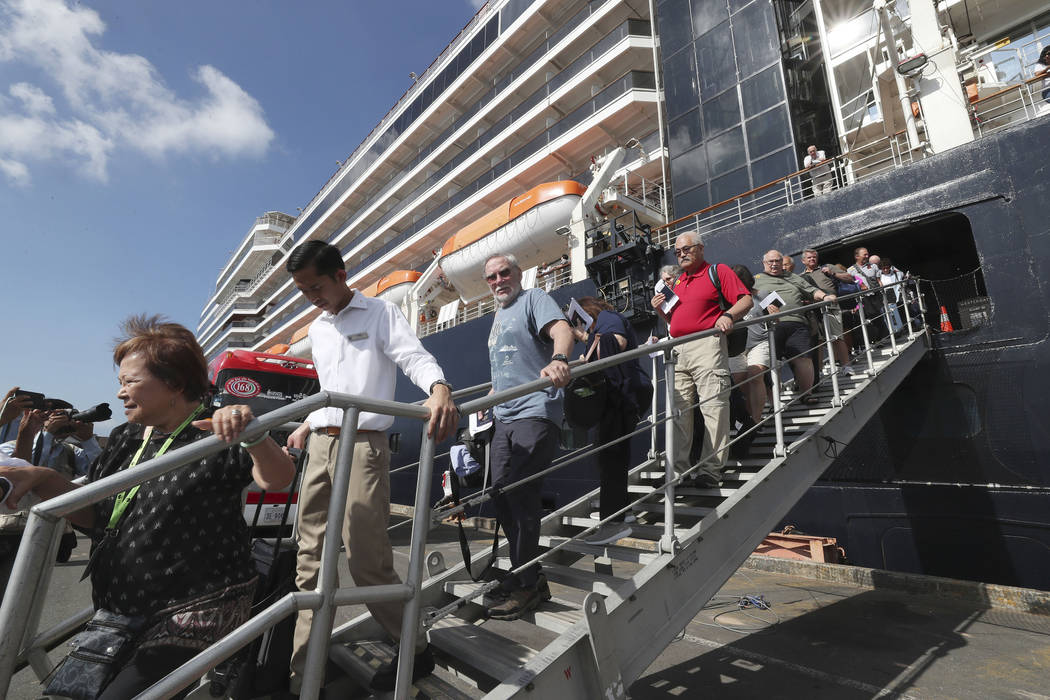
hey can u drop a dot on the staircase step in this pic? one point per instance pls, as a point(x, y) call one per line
point(360, 663)
point(639, 531)
point(679, 510)
point(579, 578)
point(611, 551)
point(474, 650)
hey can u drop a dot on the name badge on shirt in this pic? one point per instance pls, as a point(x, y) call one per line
point(358, 336)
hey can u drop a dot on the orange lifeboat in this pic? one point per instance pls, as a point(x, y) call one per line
point(524, 226)
point(395, 286)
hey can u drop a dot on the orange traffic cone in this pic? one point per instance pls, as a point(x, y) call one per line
point(946, 324)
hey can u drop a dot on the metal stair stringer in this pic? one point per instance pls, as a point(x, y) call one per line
point(652, 608)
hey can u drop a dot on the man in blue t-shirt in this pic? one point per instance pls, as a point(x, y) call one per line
point(530, 339)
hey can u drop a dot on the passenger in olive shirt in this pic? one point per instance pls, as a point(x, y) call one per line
point(791, 333)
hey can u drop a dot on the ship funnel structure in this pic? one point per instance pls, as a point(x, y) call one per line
point(525, 226)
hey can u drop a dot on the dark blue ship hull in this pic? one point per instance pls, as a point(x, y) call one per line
point(952, 477)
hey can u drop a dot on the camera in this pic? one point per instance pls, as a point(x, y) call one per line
point(95, 414)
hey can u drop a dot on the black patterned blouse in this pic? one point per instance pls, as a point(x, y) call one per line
point(182, 535)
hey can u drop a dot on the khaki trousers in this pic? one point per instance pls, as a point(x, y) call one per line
point(364, 530)
point(702, 372)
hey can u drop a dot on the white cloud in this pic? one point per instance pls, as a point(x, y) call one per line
point(15, 171)
point(33, 98)
point(115, 100)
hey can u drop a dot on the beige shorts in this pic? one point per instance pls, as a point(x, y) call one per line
point(834, 323)
point(757, 356)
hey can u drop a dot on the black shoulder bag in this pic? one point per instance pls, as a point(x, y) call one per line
point(737, 338)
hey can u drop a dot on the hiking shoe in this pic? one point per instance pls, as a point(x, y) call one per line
point(519, 602)
point(608, 533)
point(386, 676)
point(703, 480)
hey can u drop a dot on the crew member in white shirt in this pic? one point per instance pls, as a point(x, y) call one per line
point(358, 343)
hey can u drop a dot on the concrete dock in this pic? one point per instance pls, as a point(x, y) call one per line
point(824, 635)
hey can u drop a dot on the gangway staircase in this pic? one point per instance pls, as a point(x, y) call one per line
point(616, 608)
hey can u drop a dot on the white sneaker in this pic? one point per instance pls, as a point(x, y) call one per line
point(608, 533)
point(847, 371)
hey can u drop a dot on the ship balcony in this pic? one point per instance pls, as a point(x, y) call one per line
point(262, 243)
point(462, 110)
point(485, 142)
point(624, 109)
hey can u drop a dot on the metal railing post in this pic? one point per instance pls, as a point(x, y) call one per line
point(327, 580)
point(837, 400)
point(20, 606)
point(903, 292)
point(774, 374)
point(864, 333)
point(420, 527)
point(889, 320)
point(667, 541)
point(654, 406)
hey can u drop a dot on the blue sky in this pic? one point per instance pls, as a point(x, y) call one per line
point(139, 141)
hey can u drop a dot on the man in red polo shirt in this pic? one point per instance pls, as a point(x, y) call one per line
point(702, 367)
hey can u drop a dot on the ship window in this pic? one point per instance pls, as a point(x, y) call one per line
point(768, 131)
point(722, 112)
point(714, 51)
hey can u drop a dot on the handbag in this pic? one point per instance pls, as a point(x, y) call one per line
point(736, 340)
point(99, 651)
point(585, 396)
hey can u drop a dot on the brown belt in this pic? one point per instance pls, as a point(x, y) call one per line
point(333, 431)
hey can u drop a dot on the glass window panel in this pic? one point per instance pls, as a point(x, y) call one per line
point(691, 201)
point(673, 25)
point(680, 93)
point(756, 38)
point(729, 186)
point(768, 131)
point(689, 170)
point(762, 91)
point(726, 151)
point(737, 5)
point(716, 65)
point(684, 133)
point(774, 167)
point(722, 112)
point(707, 14)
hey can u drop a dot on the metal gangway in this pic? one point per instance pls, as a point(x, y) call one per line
point(615, 607)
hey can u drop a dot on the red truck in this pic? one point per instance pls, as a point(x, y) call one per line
point(264, 382)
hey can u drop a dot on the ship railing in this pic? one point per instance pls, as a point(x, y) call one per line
point(1011, 105)
point(24, 599)
point(863, 161)
point(904, 320)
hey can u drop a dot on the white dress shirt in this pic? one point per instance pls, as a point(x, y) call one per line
point(358, 350)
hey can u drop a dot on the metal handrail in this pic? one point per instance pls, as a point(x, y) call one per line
point(20, 610)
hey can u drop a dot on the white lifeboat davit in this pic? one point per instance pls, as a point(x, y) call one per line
point(523, 226)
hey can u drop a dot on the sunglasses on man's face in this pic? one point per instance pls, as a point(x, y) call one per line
point(499, 274)
point(684, 250)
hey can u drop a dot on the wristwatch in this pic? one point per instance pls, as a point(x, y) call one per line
point(728, 315)
point(560, 358)
point(442, 382)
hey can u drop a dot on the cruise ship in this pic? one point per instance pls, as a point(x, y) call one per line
point(584, 135)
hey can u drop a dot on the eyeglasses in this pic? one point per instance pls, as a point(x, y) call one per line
point(499, 274)
point(684, 250)
point(778, 261)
